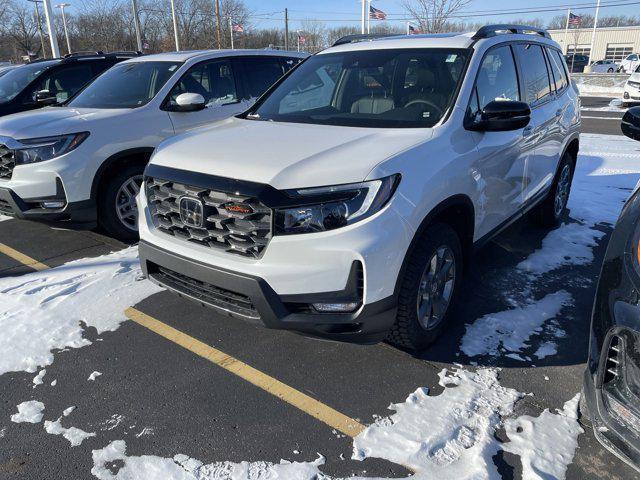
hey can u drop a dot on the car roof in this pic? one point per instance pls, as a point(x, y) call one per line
point(489, 34)
point(205, 54)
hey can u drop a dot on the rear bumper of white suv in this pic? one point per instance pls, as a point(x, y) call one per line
point(359, 263)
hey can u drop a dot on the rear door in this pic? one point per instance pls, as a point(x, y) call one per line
point(499, 169)
point(539, 93)
point(217, 81)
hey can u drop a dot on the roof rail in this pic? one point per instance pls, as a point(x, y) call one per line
point(82, 53)
point(136, 53)
point(361, 37)
point(493, 30)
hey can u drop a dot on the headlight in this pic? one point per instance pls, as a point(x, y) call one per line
point(45, 148)
point(327, 208)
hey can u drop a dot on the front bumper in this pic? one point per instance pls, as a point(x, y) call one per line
point(251, 298)
point(631, 93)
point(83, 212)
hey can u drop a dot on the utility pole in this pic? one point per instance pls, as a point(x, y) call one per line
point(286, 29)
point(44, 50)
point(593, 34)
point(175, 25)
point(53, 39)
point(136, 24)
point(64, 24)
point(218, 26)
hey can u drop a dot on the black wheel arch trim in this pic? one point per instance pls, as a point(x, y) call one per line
point(109, 162)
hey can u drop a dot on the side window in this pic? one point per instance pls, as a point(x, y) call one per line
point(559, 75)
point(289, 63)
point(64, 82)
point(562, 63)
point(536, 76)
point(214, 80)
point(497, 79)
point(261, 73)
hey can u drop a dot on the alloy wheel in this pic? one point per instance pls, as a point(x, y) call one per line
point(562, 191)
point(126, 207)
point(436, 287)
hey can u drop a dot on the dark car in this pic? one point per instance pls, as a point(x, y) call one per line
point(577, 62)
point(50, 82)
point(611, 392)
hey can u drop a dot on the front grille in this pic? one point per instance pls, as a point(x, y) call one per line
point(245, 233)
point(614, 355)
point(7, 162)
point(231, 302)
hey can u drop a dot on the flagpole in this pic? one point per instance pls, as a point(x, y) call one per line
point(362, 18)
point(566, 31)
point(231, 31)
point(407, 28)
point(593, 34)
point(368, 16)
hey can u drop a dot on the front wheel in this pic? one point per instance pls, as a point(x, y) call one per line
point(610, 70)
point(428, 288)
point(117, 209)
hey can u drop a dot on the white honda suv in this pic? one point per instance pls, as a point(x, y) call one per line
point(82, 163)
point(346, 202)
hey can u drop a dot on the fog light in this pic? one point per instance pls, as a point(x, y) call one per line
point(626, 95)
point(336, 307)
point(53, 205)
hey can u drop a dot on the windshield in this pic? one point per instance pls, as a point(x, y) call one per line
point(374, 88)
point(126, 85)
point(15, 80)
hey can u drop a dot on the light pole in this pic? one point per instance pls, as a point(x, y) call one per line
point(53, 39)
point(44, 50)
point(136, 24)
point(64, 23)
point(175, 25)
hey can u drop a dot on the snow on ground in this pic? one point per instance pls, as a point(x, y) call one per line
point(4, 217)
point(545, 444)
point(615, 105)
point(448, 436)
point(43, 311)
point(37, 380)
point(608, 169)
point(93, 376)
point(30, 412)
point(73, 434)
point(510, 330)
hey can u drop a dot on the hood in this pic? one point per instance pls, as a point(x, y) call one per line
point(286, 155)
point(53, 121)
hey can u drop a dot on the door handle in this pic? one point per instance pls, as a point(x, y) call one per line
point(527, 131)
point(559, 112)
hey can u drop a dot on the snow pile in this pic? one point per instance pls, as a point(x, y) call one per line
point(42, 311)
point(608, 170)
point(447, 436)
point(30, 412)
point(93, 376)
point(4, 217)
point(182, 467)
point(511, 330)
point(546, 444)
point(73, 434)
point(37, 380)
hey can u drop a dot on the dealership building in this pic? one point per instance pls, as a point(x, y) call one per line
point(611, 43)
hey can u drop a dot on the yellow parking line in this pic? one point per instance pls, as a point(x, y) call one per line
point(22, 258)
point(304, 402)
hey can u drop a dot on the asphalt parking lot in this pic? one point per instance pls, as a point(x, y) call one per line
point(187, 392)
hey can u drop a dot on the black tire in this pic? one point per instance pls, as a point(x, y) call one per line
point(108, 217)
point(408, 332)
point(610, 70)
point(548, 214)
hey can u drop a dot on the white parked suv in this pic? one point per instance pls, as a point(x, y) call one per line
point(82, 163)
point(632, 88)
point(347, 201)
point(630, 63)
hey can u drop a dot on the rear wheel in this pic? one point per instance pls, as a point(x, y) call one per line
point(553, 209)
point(610, 70)
point(117, 209)
point(428, 288)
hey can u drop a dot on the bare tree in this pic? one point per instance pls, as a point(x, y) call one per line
point(432, 16)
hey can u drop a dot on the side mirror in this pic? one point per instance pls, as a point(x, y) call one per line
point(631, 123)
point(502, 116)
point(189, 102)
point(44, 97)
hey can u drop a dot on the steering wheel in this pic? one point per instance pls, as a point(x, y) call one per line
point(425, 102)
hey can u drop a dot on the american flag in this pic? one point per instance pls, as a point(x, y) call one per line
point(574, 19)
point(238, 28)
point(302, 38)
point(413, 30)
point(376, 14)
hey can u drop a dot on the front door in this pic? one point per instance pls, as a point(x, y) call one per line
point(217, 82)
point(499, 170)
